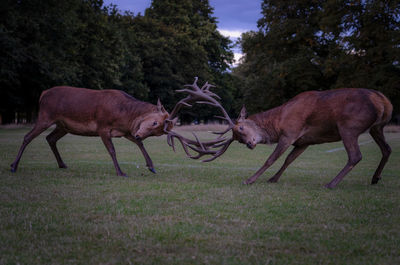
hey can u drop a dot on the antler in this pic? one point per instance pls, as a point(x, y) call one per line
point(194, 96)
point(201, 95)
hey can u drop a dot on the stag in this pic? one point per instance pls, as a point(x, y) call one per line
point(104, 113)
point(310, 118)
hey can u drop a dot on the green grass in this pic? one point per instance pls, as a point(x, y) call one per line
point(192, 212)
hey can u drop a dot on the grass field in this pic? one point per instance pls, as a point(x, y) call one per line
point(192, 212)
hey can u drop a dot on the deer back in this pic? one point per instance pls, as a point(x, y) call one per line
point(316, 115)
point(84, 111)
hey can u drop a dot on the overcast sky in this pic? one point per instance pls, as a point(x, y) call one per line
point(234, 16)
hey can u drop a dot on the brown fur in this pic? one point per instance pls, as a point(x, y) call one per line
point(104, 113)
point(316, 117)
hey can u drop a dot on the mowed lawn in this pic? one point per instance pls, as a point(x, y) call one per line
point(192, 212)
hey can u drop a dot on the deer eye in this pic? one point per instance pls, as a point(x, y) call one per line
point(155, 123)
point(241, 128)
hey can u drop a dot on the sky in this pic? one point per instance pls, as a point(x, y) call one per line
point(234, 16)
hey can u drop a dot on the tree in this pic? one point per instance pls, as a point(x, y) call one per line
point(313, 45)
point(31, 51)
point(178, 40)
point(48, 42)
point(45, 43)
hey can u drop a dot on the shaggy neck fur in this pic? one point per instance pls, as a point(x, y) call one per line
point(267, 122)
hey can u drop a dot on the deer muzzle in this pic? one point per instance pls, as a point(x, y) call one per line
point(250, 145)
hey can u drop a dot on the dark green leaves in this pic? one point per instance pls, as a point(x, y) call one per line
point(82, 43)
point(313, 45)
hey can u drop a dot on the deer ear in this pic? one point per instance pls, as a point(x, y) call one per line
point(243, 114)
point(159, 104)
point(160, 107)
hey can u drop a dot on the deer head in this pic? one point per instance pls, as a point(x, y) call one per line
point(246, 131)
point(160, 122)
point(153, 123)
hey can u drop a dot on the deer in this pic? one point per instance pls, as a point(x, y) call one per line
point(310, 118)
point(104, 113)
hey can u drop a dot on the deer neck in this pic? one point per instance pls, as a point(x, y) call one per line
point(136, 111)
point(267, 122)
point(135, 124)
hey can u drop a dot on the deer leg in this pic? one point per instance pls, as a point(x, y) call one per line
point(52, 139)
point(279, 150)
point(111, 150)
point(378, 136)
point(149, 163)
point(38, 129)
point(297, 150)
point(354, 154)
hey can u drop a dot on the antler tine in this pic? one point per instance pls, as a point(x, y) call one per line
point(212, 94)
point(214, 153)
point(205, 96)
point(194, 85)
point(197, 146)
point(220, 151)
point(203, 145)
point(193, 96)
point(195, 81)
point(224, 131)
point(204, 150)
point(207, 86)
point(178, 106)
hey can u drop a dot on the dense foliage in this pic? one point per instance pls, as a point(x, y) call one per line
point(317, 45)
point(44, 43)
point(300, 45)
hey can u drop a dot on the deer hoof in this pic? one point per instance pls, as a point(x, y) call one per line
point(122, 174)
point(63, 166)
point(375, 181)
point(329, 186)
point(272, 180)
point(13, 168)
point(247, 182)
point(152, 170)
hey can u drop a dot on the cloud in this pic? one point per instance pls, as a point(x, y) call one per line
point(234, 35)
point(231, 33)
point(237, 57)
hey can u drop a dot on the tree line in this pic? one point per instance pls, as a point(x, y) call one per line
point(299, 45)
point(45, 43)
point(317, 45)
